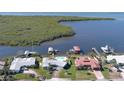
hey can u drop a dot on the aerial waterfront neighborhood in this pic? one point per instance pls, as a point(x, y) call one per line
point(71, 46)
point(72, 65)
point(60, 48)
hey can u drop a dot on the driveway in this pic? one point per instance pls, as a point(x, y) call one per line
point(58, 79)
point(55, 76)
point(56, 73)
point(122, 74)
point(98, 74)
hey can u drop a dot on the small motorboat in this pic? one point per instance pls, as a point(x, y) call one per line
point(76, 49)
point(51, 50)
point(27, 52)
point(107, 49)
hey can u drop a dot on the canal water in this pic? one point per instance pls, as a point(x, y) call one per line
point(88, 34)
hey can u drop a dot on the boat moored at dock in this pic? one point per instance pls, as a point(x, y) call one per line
point(107, 49)
point(76, 50)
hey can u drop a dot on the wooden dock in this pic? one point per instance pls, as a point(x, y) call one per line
point(94, 50)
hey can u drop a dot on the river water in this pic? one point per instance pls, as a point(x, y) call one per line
point(88, 33)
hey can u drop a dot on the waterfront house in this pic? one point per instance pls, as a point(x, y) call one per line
point(60, 61)
point(17, 63)
point(87, 63)
point(119, 58)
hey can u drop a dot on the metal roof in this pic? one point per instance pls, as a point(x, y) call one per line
point(118, 58)
point(59, 61)
point(17, 63)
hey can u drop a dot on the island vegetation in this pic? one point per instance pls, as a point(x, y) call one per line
point(23, 30)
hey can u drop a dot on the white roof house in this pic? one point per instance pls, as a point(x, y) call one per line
point(17, 63)
point(118, 58)
point(59, 61)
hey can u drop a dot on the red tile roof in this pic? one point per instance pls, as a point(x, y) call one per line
point(86, 61)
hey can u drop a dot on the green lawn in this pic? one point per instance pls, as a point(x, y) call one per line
point(77, 75)
point(71, 73)
point(22, 76)
point(42, 72)
point(85, 75)
point(105, 73)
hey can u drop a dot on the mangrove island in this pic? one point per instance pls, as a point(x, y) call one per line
point(23, 30)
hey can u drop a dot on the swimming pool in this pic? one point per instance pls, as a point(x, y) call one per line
point(61, 58)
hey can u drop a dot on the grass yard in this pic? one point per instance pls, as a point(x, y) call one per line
point(73, 74)
point(106, 73)
point(22, 76)
point(42, 72)
point(70, 73)
point(85, 75)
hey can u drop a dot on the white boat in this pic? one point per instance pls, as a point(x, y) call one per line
point(76, 49)
point(50, 49)
point(107, 49)
point(27, 52)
